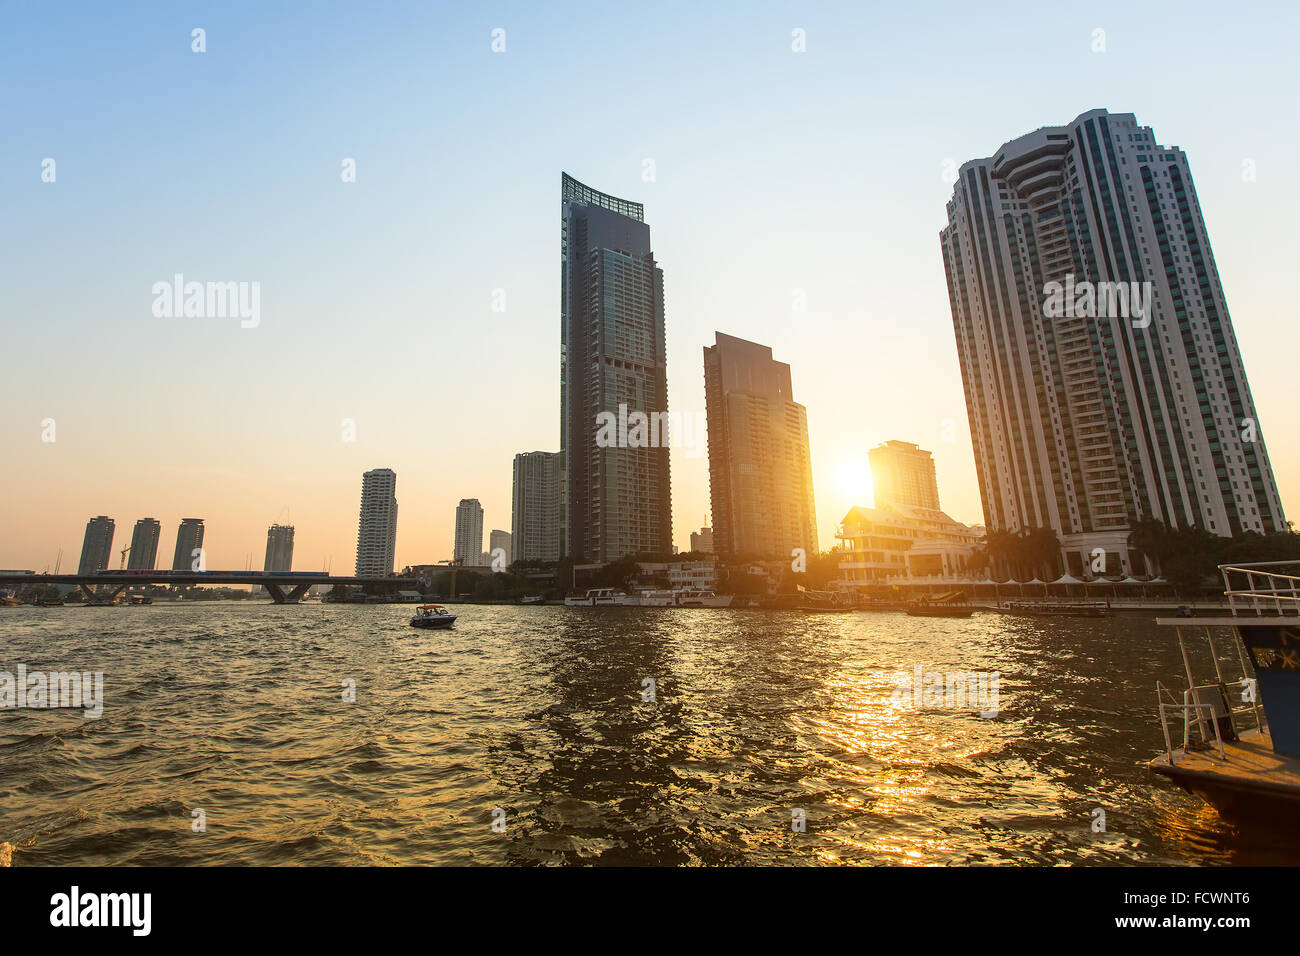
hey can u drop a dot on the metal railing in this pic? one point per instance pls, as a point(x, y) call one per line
point(1262, 587)
point(1187, 708)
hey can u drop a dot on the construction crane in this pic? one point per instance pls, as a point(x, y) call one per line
point(122, 564)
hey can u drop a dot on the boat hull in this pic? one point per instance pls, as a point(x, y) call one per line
point(939, 612)
point(434, 624)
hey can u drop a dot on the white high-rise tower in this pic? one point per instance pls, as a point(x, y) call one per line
point(468, 548)
point(377, 534)
point(1102, 376)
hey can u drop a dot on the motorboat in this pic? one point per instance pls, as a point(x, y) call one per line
point(599, 597)
point(432, 616)
point(1240, 743)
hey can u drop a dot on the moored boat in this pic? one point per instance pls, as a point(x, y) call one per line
point(938, 610)
point(659, 598)
point(1059, 608)
point(432, 616)
point(599, 597)
point(700, 597)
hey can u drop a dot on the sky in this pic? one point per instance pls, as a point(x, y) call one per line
point(420, 302)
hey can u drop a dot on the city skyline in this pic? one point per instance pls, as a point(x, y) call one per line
point(811, 195)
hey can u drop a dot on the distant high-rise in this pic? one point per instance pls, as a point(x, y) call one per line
point(97, 545)
point(279, 548)
point(189, 540)
point(760, 468)
point(535, 515)
point(468, 548)
point(377, 528)
point(1102, 376)
point(617, 498)
point(903, 474)
point(499, 540)
point(144, 545)
point(702, 541)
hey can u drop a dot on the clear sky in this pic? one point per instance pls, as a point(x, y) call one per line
point(774, 171)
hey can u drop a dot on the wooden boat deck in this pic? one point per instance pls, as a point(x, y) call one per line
point(1250, 762)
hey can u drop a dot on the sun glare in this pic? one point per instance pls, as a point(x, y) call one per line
point(853, 478)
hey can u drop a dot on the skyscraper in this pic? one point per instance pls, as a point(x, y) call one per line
point(501, 540)
point(535, 511)
point(189, 539)
point(903, 474)
point(760, 467)
point(617, 497)
point(97, 545)
point(144, 545)
point(468, 547)
point(1103, 381)
point(279, 548)
point(377, 528)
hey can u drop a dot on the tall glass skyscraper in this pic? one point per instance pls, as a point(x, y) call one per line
point(617, 498)
point(1103, 381)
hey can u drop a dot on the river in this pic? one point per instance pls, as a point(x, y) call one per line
point(530, 735)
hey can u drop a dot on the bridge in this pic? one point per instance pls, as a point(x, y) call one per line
point(285, 587)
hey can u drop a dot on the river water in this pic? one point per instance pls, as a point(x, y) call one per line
point(523, 736)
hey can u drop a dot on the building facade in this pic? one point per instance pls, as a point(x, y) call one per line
point(279, 548)
point(189, 545)
point(499, 541)
point(377, 528)
point(536, 495)
point(903, 474)
point(144, 545)
point(97, 545)
point(617, 498)
point(1103, 381)
point(760, 466)
point(468, 547)
point(895, 544)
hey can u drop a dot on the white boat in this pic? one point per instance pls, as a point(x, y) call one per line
point(656, 599)
point(599, 597)
point(698, 597)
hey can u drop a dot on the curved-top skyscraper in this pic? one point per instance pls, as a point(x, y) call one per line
point(1102, 377)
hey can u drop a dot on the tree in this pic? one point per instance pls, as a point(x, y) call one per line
point(1150, 538)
